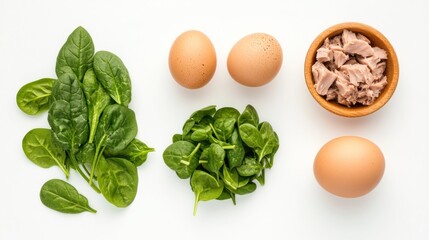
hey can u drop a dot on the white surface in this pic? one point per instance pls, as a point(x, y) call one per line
point(291, 205)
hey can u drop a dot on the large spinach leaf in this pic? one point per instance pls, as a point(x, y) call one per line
point(76, 54)
point(113, 75)
point(68, 114)
point(40, 149)
point(118, 180)
point(33, 97)
point(116, 129)
point(63, 197)
point(96, 98)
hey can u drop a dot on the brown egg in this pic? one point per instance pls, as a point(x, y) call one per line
point(255, 60)
point(349, 166)
point(192, 59)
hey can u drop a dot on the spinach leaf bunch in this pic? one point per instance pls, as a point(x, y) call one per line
point(92, 130)
point(223, 152)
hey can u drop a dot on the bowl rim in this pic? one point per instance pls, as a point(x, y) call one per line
point(333, 106)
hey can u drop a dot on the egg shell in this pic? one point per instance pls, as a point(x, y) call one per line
point(255, 59)
point(192, 59)
point(349, 166)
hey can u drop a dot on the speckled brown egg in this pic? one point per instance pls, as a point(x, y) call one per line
point(349, 166)
point(255, 59)
point(192, 59)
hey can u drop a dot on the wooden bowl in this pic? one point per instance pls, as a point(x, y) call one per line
point(377, 39)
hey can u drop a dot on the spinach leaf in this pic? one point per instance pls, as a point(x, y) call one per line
point(39, 148)
point(201, 133)
point(187, 127)
point(271, 141)
point(227, 112)
point(113, 76)
point(223, 128)
point(250, 167)
point(205, 187)
point(86, 153)
point(250, 116)
point(116, 129)
point(68, 114)
point(63, 197)
point(251, 136)
point(236, 155)
point(197, 116)
point(76, 54)
point(118, 180)
point(136, 152)
point(182, 157)
point(176, 137)
point(33, 97)
point(216, 156)
point(97, 99)
point(246, 189)
point(232, 180)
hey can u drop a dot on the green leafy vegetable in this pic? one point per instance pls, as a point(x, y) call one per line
point(116, 129)
point(97, 99)
point(205, 187)
point(63, 197)
point(118, 180)
point(223, 152)
point(68, 114)
point(113, 75)
point(182, 157)
point(33, 98)
point(40, 149)
point(76, 54)
point(89, 132)
point(136, 152)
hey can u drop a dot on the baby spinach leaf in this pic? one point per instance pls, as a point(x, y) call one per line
point(116, 129)
point(63, 197)
point(205, 187)
point(136, 152)
point(113, 76)
point(33, 97)
point(232, 179)
point(176, 137)
point(97, 99)
point(250, 116)
point(197, 116)
point(182, 157)
point(246, 189)
point(251, 136)
point(236, 155)
point(227, 112)
point(76, 54)
point(250, 167)
point(118, 180)
point(223, 128)
point(216, 156)
point(187, 127)
point(201, 133)
point(40, 149)
point(68, 114)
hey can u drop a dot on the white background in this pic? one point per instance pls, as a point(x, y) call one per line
point(291, 205)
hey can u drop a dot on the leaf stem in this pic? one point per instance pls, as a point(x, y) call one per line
point(76, 166)
point(96, 158)
point(197, 199)
point(228, 147)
